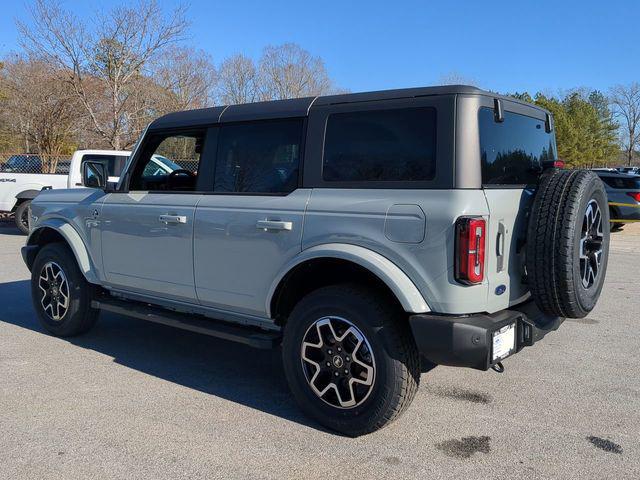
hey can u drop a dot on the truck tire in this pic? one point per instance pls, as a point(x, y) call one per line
point(350, 359)
point(22, 216)
point(61, 296)
point(568, 242)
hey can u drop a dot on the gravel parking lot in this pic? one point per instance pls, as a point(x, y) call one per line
point(138, 400)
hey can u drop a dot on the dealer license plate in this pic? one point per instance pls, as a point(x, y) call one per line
point(504, 342)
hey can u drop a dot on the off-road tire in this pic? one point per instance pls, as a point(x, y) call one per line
point(554, 242)
point(397, 362)
point(21, 216)
point(79, 316)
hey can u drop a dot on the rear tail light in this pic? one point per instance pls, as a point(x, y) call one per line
point(552, 164)
point(634, 195)
point(470, 241)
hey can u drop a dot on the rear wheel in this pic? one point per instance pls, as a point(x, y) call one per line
point(350, 359)
point(22, 216)
point(61, 296)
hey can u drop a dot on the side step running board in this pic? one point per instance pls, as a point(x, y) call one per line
point(194, 323)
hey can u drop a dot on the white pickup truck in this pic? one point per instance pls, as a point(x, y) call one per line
point(20, 181)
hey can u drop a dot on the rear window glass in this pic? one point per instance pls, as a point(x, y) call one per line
point(512, 151)
point(380, 145)
point(115, 163)
point(621, 182)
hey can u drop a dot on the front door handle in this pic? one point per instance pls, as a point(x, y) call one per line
point(172, 219)
point(274, 225)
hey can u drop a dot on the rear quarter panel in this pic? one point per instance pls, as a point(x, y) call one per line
point(358, 217)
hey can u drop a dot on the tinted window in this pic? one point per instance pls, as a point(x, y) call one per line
point(114, 163)
point(259, 157)
point(380, 145)
point(512, 151)
point(169, 162)
point(622, 182)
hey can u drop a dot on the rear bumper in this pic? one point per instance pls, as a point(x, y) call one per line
point(466, 341)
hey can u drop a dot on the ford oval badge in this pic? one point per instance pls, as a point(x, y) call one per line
point(500, 289)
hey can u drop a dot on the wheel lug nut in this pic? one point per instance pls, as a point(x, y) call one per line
point(336, 374)
point(347, 359)
point(328, 364)
point(330, 352)
point(339, 349)
point(346, 372)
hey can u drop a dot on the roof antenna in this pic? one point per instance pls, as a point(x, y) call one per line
point(498, 115)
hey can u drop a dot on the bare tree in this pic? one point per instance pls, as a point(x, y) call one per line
point(40, 108)
point(238, 81)
point(289, 71)
point(187, 79)
point(625, 102)
point(105, 58)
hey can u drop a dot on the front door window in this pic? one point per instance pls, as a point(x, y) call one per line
point(168, 163)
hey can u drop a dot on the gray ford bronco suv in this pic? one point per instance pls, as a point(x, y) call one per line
point(371, 236)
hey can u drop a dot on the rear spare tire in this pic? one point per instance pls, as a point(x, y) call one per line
point(568, 242)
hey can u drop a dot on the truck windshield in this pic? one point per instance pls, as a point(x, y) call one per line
point(512, 151)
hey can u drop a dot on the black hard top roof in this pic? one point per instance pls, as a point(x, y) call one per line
point(299, 107)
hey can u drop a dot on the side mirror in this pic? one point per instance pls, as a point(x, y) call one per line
point(94, 175)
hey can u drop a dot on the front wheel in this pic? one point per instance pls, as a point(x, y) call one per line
point(350, 359)
point(61, 296)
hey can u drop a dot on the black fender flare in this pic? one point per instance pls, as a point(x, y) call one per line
point(28, 194)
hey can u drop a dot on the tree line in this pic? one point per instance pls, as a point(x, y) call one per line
point(594, 129)
point(97, 82)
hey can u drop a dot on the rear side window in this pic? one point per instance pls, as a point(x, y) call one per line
point(621, 182)
point(512, 151)
point(380, 145)
point(259, 157)
point(114, 163)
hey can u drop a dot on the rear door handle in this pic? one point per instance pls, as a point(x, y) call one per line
point(274, 225)
point(172, 219)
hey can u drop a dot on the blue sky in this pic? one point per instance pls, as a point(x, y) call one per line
point(505, 46)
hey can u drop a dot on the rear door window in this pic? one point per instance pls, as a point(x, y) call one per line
point(380, 146)
point(512, 151)
point(259, 157)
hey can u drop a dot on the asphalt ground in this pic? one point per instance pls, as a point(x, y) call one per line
point(132, 399)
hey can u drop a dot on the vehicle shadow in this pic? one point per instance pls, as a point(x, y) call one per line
point(235, 372)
